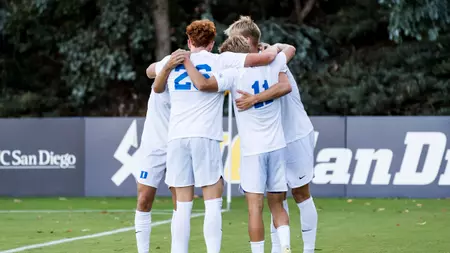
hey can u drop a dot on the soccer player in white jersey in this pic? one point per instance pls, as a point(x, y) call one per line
point(262, 137)
point(195, 133)
point(299, 134)
point(151, 155)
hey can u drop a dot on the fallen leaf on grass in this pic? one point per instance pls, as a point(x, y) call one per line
point(62, 199)
point(398, 225)
point(69, 230)
point(380, 209)
point(349, 200)
point(367, 203)
point(406, 211)
point(17, 201)
point(419, 205)
point(85, 230)
point(422, 223)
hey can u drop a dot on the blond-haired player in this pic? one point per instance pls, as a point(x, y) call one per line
point(262, 137)
point(299, 135)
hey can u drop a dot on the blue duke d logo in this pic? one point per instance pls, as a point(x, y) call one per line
point(144, 174)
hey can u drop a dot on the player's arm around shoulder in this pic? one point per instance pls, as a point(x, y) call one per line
point(163, 72)
point(150, 71)
point(201, 82)
point(247, 100)
point(287, 49)
point(155, 67)
point(283, 86)
point(261, 59)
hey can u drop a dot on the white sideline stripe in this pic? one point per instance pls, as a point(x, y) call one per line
point(161, 211)
point(112, 232)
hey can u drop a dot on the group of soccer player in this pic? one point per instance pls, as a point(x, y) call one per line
point(183, 131)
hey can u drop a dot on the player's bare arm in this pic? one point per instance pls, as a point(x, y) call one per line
point(176, 58)
point(151, 71)
point(202, 83)
point(287, 49)
point(262, 59)
point(247, 100)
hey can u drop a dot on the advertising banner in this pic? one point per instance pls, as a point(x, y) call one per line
point(42, 157)
point(354, 157)
point(111, 144)
point(394, 157)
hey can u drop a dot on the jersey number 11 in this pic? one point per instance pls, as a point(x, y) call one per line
point(256, 90)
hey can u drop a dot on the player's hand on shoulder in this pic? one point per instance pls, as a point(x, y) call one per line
point(177, 58)
point(246, 101)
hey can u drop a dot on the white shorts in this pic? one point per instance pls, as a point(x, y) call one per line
point(300, 161)
point(193, 161)
point(263, 172)
point(152, 168)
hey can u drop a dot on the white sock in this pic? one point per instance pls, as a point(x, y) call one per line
point(284, 233)
point(182, 227)
point(212, 225)
point(276, 246)
point(308, 220)
point(172, 226)
point(142, 224)
point(257, 247)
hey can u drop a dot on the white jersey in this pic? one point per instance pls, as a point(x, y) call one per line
point(260, 127)
point(195, 113)
point(296, 123)
point(154, 136)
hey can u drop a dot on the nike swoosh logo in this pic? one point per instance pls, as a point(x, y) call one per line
point(304, 231)
point(301, 177)
point(138, 232)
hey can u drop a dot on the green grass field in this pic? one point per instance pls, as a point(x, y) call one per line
point(358, 225)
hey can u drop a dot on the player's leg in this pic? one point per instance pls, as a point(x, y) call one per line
point(143, 218)
point(180, 177)
point(308, 217)
point(255, 203)
point(212, 224)
point(276, 246)
point(299, 174)
point(253, 183)
point(172, 223)
point(147, 182)
point(208, 170)
point(276, 193)
point(280, 221)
